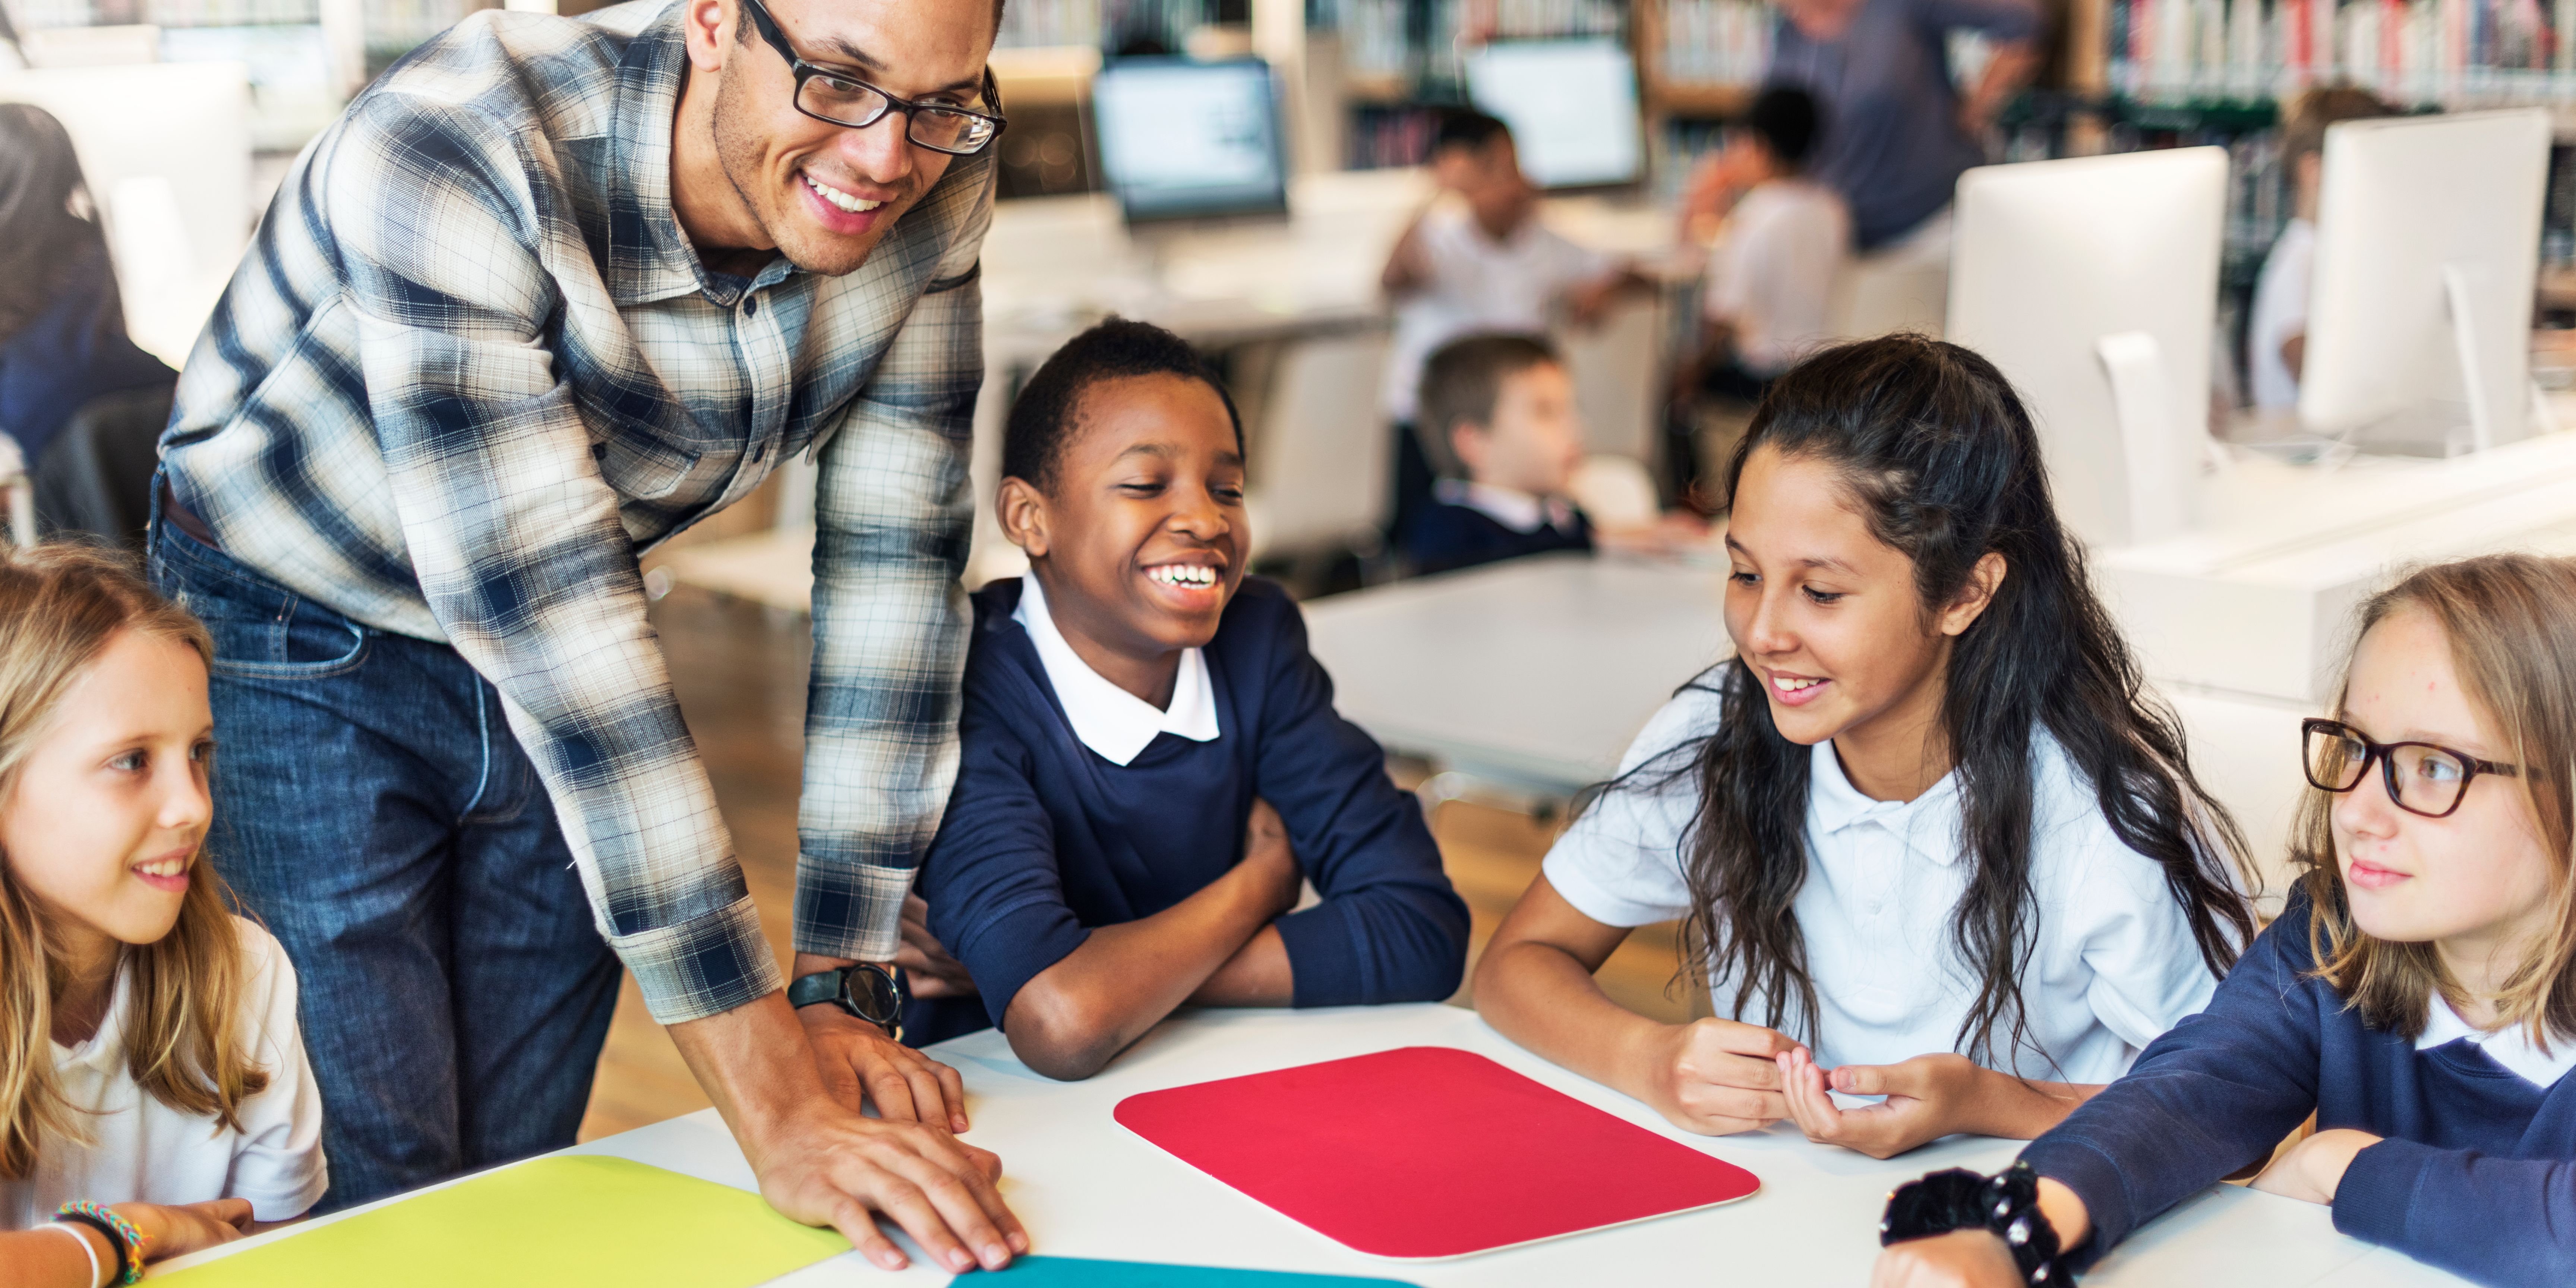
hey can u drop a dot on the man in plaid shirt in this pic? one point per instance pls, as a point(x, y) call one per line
point(549, 292)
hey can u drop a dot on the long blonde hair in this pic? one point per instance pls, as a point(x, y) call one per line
point(2511, 623)
point(61, 605)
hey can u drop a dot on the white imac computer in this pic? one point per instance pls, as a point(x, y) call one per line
point(1180, 139)
point(2092, 283)
point(1572, 106)
point(2428, 246)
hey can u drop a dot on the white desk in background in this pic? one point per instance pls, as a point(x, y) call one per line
point(1086, 1187)
point(1532, 673)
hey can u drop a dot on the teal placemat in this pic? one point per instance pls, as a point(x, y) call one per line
point(1076, 1272)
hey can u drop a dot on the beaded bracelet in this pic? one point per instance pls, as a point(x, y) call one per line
point(129, 1242)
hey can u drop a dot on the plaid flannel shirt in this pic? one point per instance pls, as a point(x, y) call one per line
point(471, 368)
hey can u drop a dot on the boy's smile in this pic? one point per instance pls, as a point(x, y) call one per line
point(1140, 541)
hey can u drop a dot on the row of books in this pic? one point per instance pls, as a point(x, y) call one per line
point(35, 15)
point(1042, 23)
point(1716, 42)
point(2451, 53)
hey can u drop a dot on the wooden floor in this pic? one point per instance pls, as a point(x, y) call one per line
point(740, 670)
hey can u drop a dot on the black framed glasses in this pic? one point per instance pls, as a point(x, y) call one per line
point(841, 99)
point(2423, 778)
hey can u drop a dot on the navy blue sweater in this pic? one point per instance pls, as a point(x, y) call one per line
point(2477, 1173)
point(1044, 839)
point(1446, 536)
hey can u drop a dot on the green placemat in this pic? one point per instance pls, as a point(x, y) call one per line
point(1075, 1272)
point(570, 1219)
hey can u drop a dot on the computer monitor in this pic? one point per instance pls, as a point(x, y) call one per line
point(2428, 246)
point(2092, 283)
point(1180, 139)
point(1572, 106)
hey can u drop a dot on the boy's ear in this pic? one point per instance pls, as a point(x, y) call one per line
point(1983, 581)
point(1467, 441)
point(1022, 511)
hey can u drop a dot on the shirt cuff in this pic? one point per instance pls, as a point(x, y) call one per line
point(850, 911)
point(1592, 901)
point(1323, 962)
point(286, 1204)
point(704, 966)
point(2080, 1167)
point(1016, 947)
point(2378, 1188)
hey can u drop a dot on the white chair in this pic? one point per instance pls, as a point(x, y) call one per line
point(1320, 448)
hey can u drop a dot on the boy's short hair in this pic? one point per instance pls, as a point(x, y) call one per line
point(1462, 382)
point(1466, 128)
point(2305, 117)
point(1787, 121)
point(1043, 419)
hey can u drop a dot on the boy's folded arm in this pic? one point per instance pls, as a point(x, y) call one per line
point(2494, 1220)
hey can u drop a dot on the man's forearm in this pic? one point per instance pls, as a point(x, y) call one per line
point(754, 1062)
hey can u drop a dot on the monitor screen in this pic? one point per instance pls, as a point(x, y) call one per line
point(1572, 106)
point(1180, 139)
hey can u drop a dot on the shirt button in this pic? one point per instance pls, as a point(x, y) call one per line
point(750, 306)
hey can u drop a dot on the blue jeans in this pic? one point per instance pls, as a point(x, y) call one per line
point(373, 809)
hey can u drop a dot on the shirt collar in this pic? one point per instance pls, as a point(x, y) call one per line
point(1929, 823)
point(1113, 723)
point(1510, 507)
point(2510, 1047)
point(105, 1048)
point(650, 257)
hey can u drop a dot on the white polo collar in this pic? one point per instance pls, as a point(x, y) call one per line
point(1510, 507)
point(1929, 822)
point(2510, 1047)
point(1115, 724)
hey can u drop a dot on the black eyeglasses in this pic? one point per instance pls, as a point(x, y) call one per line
point(2422, 777)
point(831, 96)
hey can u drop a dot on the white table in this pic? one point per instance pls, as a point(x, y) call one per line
point(1086, 1187)
point(1533, 673)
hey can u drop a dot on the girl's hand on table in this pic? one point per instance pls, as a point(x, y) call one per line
point(1923, 1098)
point(176, 1231)
point(1716, 1077)
point(2313, 1169)
point(1959, 1259)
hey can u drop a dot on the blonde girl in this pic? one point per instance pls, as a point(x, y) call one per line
point(2418, 993)
point(154, 1095)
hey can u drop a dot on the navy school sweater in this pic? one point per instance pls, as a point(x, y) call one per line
point(1449, 536)
point(1043, 839)
point(2477, 1173)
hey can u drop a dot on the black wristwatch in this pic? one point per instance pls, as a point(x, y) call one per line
point(2006, 1203)
point(866, 990)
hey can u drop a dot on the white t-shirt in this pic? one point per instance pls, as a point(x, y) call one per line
point(1478, 284)
point(2114, 965)
point(2280, 311)
point(143, 1151)
point(1772, 273)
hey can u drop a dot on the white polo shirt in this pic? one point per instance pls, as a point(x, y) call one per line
point(1772, 274)
point(143, 1151)
point(1478, 284)
point(2280, 311)
point(2114, 966)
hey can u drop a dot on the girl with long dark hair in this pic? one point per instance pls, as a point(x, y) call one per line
point(1930, 838)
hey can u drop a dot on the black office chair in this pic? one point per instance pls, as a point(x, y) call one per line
point(96, 476)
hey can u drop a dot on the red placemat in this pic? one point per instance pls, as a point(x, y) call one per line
point(1428, 1152)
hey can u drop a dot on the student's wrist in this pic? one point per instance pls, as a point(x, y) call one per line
point(149, 1220)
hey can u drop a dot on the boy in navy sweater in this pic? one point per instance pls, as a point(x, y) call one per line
point(1499, 423)
point(2418, 993)
point(1151, 764)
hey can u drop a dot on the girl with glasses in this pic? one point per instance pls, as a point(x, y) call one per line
point(2418, 993)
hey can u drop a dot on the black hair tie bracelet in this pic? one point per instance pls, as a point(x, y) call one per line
point(2006, 1203)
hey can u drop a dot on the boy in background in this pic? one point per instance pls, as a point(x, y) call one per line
point(1477, 260)
point(1784, 243)
point(2276, 339)
point(1151, 766)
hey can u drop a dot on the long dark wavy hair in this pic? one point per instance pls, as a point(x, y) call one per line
point(1941, 460)
point(46, 230)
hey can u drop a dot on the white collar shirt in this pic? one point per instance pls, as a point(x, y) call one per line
point(1116, 725)
point(1519, 511)
point(2113, 965)
point(2510, 1046)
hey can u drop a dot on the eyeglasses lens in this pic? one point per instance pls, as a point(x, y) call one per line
point(2334, 761)
point(2428, 781)
point(841, 101)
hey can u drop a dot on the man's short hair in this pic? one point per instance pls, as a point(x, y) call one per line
point(2305, 117)
point(1048, 412)
point(1464, 128)
point(1462, 382)
point(1787, 121)
point(742, 29)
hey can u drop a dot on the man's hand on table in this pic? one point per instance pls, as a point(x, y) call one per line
point(821, 1162)
point(857, 1058)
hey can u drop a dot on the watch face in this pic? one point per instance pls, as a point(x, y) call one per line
point(872, 994)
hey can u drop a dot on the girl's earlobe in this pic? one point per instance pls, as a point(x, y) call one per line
point(1977, 595)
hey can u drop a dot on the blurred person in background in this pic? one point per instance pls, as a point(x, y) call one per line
point(1902, 131)
point(2276, 337)
point(62, 325)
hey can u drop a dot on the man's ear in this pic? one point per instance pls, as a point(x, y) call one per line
point(1022, 510)
point(1983, 581)
point(708, 25)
